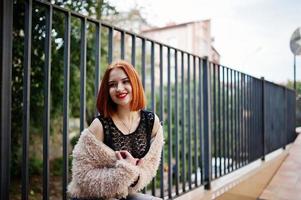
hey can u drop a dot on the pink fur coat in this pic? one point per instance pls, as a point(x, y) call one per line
point(97, 173)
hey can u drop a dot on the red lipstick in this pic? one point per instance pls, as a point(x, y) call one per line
point(121, 96)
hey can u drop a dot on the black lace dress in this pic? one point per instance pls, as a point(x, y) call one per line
point(137, 142)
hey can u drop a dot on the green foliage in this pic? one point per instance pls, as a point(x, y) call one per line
point(74, 140)
point(290, 84)
point(36, 166)
point(95, 9)
point(56, 166)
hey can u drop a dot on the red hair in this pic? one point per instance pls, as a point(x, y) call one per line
point(105, 105)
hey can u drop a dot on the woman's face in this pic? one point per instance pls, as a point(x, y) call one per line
point(120, 88)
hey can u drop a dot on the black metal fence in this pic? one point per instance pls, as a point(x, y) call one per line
point(215, 119)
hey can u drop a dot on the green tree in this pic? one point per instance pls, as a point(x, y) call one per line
point(290, 84)
point(96, 9)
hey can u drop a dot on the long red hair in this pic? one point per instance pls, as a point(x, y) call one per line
point(105, 105)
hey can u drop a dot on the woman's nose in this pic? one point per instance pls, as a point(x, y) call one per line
point(119, 87)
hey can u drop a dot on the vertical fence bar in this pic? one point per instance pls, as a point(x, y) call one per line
point(183, 149)
point(143, 61)
point(252, 138)
point(83, 59)
point(46, 126)
point(224, 119)
point(263, 128)
point(153, 97)
point(255, 123)
point(294, 115)
point(229, 80)
point(169, 125)
point(133, 60)
point(6, 43)
point(228, 120)
point(234, 118)
point(219, 118)
point(253, 114)
point(250, 118)
point(244, 120)
point(66, 104)
point(241, 119)
point(195, 123)
point(285, 119)
point(200, 121)
point(231, 117)
point(162, 118)
point(110, 45)
point(207, 125)
point(122, 49)
point(189, 121)
point(237, 118)
point(258, 114)
point(253, 94)
point(247, 119)
point(176, 124)
point(26, 98)
point(214, 120)
point(153, 76)
point(97, 60)
point(290, 121)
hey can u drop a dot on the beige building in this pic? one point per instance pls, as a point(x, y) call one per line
point(193, 37)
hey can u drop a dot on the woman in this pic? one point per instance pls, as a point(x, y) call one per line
point(119, 153)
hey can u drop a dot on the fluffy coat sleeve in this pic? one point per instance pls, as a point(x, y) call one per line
point(151, 162)
point(96, 172)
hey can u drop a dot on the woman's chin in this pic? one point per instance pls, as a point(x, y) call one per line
point(123, 103)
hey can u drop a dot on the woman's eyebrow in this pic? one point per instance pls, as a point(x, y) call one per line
point(112, 81)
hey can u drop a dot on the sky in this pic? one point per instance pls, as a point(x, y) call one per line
point(251, 36)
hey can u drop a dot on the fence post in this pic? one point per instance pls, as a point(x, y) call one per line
point(207, 125)
point(6, 29)
point(285, 119)
point(263, 118)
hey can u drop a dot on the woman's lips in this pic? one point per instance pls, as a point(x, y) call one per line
point(121, 96)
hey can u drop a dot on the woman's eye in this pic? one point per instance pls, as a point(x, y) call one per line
point(112, 85)
point(126, 81)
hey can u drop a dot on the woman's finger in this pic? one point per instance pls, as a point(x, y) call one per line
point(126, 153)
point(140, 162)
point(118, 155)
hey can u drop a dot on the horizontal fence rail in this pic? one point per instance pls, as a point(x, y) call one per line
point(216, 119)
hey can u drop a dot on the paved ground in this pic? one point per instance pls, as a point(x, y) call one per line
point(254, 183)
point(286, 184)
point(278, 179)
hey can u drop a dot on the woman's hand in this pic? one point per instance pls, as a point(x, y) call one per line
point(125, 155)
point(139, 162)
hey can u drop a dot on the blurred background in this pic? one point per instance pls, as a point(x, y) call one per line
point(250, 36)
